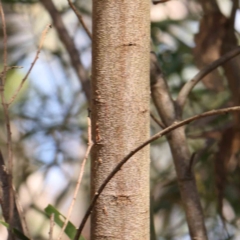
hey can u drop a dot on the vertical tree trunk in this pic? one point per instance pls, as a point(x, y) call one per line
point(120, 116)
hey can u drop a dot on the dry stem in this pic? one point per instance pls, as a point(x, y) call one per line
point(90, 144)
point(5, 55)
point(9, 202)
point(51, 226)
point(187, 88)
point(21, 214)
point(44, 33)
point(161, 125)
point(7, 119)
point(80, 18)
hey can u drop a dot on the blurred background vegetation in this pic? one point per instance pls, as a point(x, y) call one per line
point(49, 117)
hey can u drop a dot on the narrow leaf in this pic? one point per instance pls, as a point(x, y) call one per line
point(16, 232)
point(70, 229)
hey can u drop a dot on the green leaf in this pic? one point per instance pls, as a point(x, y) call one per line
point(16, 232)
point(70, 229)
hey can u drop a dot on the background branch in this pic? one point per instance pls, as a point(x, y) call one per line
point(80, 18)
point(187, 88)
point(5, 197)
point(161, 125)
point(68, 42)
point(90, 145)
point(44, 33)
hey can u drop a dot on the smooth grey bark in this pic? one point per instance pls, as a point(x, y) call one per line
point(120, 118)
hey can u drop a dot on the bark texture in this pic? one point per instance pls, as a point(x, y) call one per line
point(120, 117)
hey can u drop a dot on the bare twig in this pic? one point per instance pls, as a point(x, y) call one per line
point(21, 214)
point(8, 128)
point(51, 226)
point(44, 33)
point(90, 144)
point(11, 213)
point(187, 88)
point(5, 55)
point(161, 125)
point(127, 157)
point(80, 18)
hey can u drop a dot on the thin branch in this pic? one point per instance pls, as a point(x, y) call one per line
point(161, 125)
point(5, 54)
point(127, 157)
point(51, 226)
point(11, 213)
point(90, 144)
point(69, 44)
point(8, 128)
point(80, 18)
point(44, 33)
point(187, 88)
point(191, 164)
point(21, 214)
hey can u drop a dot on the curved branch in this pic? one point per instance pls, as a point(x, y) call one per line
point(127, 157)
point(187, 88)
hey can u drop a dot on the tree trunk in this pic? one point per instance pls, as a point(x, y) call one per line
point(120, 117)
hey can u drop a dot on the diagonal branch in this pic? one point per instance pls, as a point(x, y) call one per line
point(79, 16)
point(90, 145)
point(133, 152)
point(187, 88)
point(70, 47)
point(44, 33)
point(160, 124)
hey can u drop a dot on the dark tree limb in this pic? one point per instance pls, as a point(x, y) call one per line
point(187, 88)
point(4, 176)
point(68, 42)
point(79, 16)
